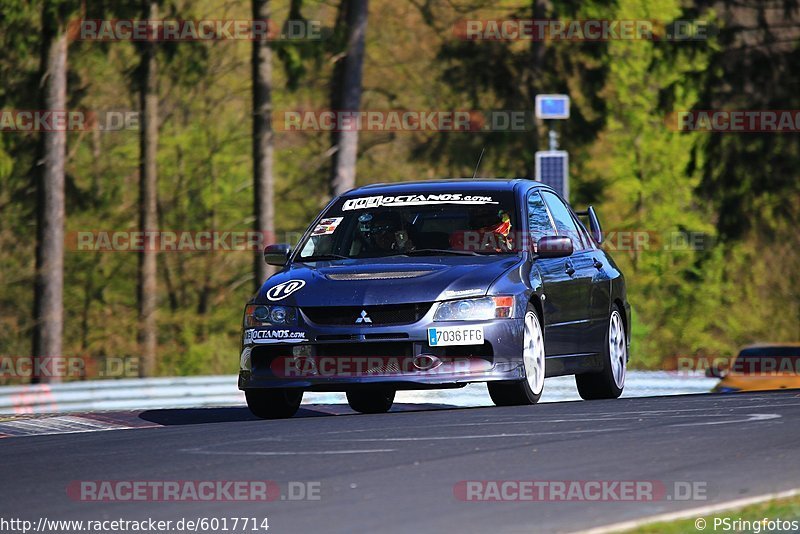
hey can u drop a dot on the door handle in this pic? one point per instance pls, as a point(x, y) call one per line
point(569, 268)
point(597, 264)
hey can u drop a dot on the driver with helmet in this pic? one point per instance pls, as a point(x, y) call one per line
point(383, 232)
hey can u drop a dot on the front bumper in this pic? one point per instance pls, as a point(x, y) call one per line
point(336, 358)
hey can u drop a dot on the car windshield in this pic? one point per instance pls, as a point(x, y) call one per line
point(414, 224)
point(766, 360)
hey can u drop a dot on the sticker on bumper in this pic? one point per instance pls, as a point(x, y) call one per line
point(455, 335)
point(274, 336)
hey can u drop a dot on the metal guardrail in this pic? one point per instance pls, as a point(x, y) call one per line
point(199, 391)
point(123, 394)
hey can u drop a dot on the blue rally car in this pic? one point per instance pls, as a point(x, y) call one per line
point(435, 285)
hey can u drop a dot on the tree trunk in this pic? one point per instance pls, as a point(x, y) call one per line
point(148, 215)
point(49, 281)
point(263, 185)
point(347, 97)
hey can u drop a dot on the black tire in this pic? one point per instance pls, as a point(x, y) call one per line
point(377, 400)
point(520, 392)
point(511, 393)
point(603, 385)
point(273, 403)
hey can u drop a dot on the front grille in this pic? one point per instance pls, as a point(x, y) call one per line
point(269, 359)
point(386, 336)
point(366, 350)
point(378, 315)
point(348, 337)
point(336, 337)
point(365, 359)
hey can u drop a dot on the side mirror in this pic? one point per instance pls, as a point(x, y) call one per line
point(594, 226)
point(277, 254)
point(554, 247)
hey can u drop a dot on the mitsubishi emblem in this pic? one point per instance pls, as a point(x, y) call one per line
point(364, 318)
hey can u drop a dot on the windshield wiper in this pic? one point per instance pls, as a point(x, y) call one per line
point(434, 251)
point(323, 257)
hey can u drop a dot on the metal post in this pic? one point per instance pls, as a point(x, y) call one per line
point(553, 139)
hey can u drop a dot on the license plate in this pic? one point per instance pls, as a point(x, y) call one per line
point(455, 335)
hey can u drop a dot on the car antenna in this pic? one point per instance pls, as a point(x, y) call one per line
point(477, 165)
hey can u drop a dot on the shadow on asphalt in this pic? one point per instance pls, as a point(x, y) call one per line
point(197, 416)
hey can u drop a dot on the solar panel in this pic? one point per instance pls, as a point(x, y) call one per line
point(552, 168)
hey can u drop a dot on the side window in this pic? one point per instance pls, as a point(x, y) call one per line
point(565, 224)
point(539, 224)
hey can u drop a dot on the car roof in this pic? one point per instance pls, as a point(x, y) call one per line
point(770, 345)
point(444, 184)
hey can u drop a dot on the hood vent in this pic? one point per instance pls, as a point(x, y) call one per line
point(388, 275)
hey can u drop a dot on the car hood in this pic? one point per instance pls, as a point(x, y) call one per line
point(394, 280)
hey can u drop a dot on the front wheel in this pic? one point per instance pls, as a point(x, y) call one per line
point(609, 383)
point(371, 400)
point(273, 403)
point(527, 391)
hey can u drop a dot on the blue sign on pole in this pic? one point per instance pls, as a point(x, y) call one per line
point(552, 107)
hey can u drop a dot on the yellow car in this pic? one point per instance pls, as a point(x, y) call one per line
point(760, 368)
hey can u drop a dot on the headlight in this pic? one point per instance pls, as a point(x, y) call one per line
point(260, 315)
point(481, 309)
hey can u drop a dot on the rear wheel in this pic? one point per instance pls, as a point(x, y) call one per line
point(273, 403)
point(609, 383)
point(526, 391)
point(371, 400)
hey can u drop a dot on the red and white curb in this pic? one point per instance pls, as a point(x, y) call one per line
point(70, 424)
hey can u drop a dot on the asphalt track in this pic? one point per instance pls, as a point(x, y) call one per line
point(397, 472)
